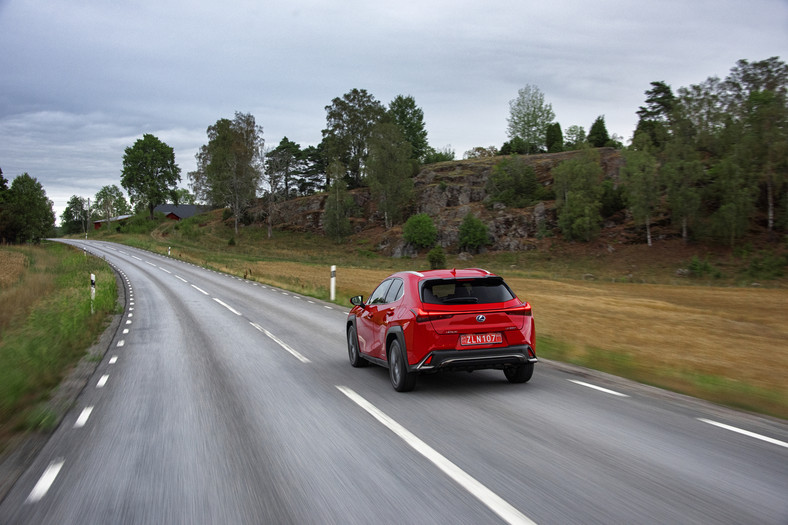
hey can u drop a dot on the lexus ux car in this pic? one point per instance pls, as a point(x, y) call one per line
point(425, 322)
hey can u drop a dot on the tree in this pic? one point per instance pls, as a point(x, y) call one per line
point(681, 172)
point(230, 167)
point(597, 135)
point(339, 204)
point(74, 218)
point(480, 152)
point(314, 172)
point(390, 171)
point(555, 138)
point(529, 116)
point(639, 178)
point(285, 163)
point(27, 212)
point(410, 120)
point(150, 175)
point(184, 196)
point(655, 116)
point(513, 182)
point(110, 202)
point(578, 193)
point(515, 146)
point(735, 194)
point(349, 123)
point(574, 138)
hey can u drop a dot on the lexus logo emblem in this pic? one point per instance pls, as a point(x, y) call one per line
point(481, 318)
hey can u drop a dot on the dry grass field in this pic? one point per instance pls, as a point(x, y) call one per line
point(728, 345)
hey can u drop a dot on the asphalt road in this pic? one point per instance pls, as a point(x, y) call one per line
point(225, 401)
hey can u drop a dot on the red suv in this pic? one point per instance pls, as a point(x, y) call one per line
point(422, 322)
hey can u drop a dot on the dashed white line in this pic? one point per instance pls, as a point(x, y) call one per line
point(181, 278)
point(605, 390)
point(45, 481)
point(125, 331)
point(152, 264)
point(165, 270)
point(83, 417)
point(113, 359)
point(233, 310)
point(102, 381)
point(200, 290)
point(327, 307)
point(745, 432)
point(121, 343)
point(135, 257)
point(493, 501)
point(281, 343)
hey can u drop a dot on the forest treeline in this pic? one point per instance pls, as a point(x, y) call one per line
point(713, 157)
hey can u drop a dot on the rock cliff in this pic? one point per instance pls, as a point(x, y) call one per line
point(447, 191)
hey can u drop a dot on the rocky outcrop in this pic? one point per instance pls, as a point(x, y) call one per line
point(447, 192)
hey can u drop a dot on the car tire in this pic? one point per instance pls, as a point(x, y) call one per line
point(401, 379)
point(353, 352)
point(520, 373)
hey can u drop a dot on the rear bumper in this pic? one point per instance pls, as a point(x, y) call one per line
point(478, 359)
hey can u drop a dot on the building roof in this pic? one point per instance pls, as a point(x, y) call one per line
point(183, 211)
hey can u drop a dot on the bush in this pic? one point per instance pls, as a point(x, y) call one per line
point(473, 233)
point(420, 231)
point(513, 182)
point(436, 258)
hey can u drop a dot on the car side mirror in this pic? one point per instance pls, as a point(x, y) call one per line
point(357, 300)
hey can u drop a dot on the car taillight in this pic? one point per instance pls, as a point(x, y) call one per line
point(423, 317)
point(523, 309)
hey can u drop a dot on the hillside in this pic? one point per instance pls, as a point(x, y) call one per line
point(448, 191)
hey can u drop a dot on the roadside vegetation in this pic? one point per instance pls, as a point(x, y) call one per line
point(46, 325)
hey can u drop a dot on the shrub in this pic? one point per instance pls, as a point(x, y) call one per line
point(420, 231)
point(436, 258)
point(513, 182)
point(473, 233)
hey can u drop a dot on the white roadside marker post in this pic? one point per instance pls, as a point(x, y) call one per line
point(92, 291)
point(333, 282)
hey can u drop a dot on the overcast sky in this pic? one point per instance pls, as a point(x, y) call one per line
point(81, 80)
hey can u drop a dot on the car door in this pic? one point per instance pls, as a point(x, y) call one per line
point(368, 323)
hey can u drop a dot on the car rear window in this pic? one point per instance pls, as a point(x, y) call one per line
point(466, 291)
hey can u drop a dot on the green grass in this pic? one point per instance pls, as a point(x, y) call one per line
point(37, 350)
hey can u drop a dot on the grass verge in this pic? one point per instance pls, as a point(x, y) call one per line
point(49, 322)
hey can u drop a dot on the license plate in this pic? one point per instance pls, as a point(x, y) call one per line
point(481, 339)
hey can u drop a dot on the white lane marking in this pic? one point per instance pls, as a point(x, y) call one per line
point(124, 253)
point(296, 297)
point(121, 343)
point(281, 343)
point(165, 270)
point(113, 359)
point(102, 381)
point(493, 501)
point(135, 257)
point(745, 432)
point(152, 264)
point(327, 307)
point(310, 302)
point(181, 278)
point(125, 331)
point(131, 315)
point(128, 321)
point(233, 310)
point(605, 390)
point(200, 290)
point(83, 417)
point(45, 481)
